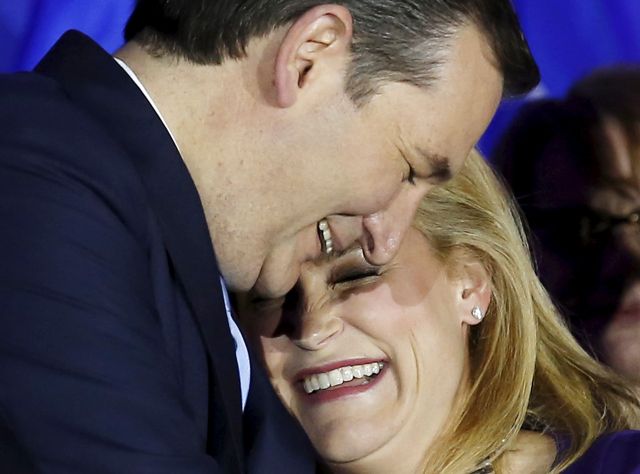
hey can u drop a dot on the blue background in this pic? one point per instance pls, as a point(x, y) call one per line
point(568, 37)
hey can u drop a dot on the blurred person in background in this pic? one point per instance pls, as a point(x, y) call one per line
point(574, 166)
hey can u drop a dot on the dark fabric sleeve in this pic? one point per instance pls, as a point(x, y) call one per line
point(86, 384)
point(615, 453)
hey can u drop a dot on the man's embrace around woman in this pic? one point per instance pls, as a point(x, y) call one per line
point(211, 146)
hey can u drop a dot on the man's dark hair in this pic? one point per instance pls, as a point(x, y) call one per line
point(393, 40)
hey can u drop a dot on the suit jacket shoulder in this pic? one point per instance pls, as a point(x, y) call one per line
point(109, 289)
point(103, 364)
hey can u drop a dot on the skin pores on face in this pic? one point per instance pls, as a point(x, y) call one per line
point(409, 318)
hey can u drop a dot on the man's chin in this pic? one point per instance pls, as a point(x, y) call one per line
point(270, 286)
point(281, 268)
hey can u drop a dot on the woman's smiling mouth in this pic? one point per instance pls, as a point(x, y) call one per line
point(337, 380)
point(337, 377)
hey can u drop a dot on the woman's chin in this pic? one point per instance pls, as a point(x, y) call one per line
point(351, 439)
point(350, 421)
point(365, 448)
point(343, 447)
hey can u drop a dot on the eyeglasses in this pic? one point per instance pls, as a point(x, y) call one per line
point(597, 227)
point(581, 224)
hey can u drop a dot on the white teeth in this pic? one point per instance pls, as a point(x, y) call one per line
point(324, 381)
point(307, 385)
point(357, 371)
point(336, 377)
point(347, 374)
point(325, 234)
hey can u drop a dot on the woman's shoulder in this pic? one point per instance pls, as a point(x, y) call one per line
point(613, 453)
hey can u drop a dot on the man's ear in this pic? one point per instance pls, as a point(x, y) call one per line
point(318, 42)
point(474, 291)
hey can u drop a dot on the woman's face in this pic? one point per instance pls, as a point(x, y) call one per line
point(370, 359)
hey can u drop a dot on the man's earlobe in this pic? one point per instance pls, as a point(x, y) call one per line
point(317, 43)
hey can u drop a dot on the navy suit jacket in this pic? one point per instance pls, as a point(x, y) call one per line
point(115, 351)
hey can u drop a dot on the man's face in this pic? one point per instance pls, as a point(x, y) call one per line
point(365, 169)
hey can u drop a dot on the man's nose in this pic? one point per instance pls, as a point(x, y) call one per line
point(383, 231)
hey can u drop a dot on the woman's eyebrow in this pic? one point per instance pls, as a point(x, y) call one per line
point(351, 249)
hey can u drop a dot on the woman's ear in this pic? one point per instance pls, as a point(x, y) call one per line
point(474, 291)
point(317, 45)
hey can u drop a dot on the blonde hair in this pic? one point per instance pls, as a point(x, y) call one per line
point(526, 369)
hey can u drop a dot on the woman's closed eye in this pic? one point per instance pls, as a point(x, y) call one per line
point(354, 276)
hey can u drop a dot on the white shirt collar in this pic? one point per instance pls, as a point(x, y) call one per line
point(242, 355)
point(138, 83)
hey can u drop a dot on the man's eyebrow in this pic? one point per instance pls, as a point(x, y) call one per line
point(439, 166)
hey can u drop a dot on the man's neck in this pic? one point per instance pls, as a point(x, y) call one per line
point(212, 112)
point(175, 87)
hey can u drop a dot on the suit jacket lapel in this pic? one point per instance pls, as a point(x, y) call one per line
point(96, 83)
point(271, 434)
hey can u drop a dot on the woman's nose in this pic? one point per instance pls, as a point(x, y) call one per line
point(316, 329)
point(315, 320)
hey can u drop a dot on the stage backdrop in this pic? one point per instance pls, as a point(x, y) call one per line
point(568, 37)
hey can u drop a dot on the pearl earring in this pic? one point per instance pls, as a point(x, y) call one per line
point(476, 312)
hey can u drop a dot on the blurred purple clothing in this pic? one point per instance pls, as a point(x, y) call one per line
point(615, 453)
